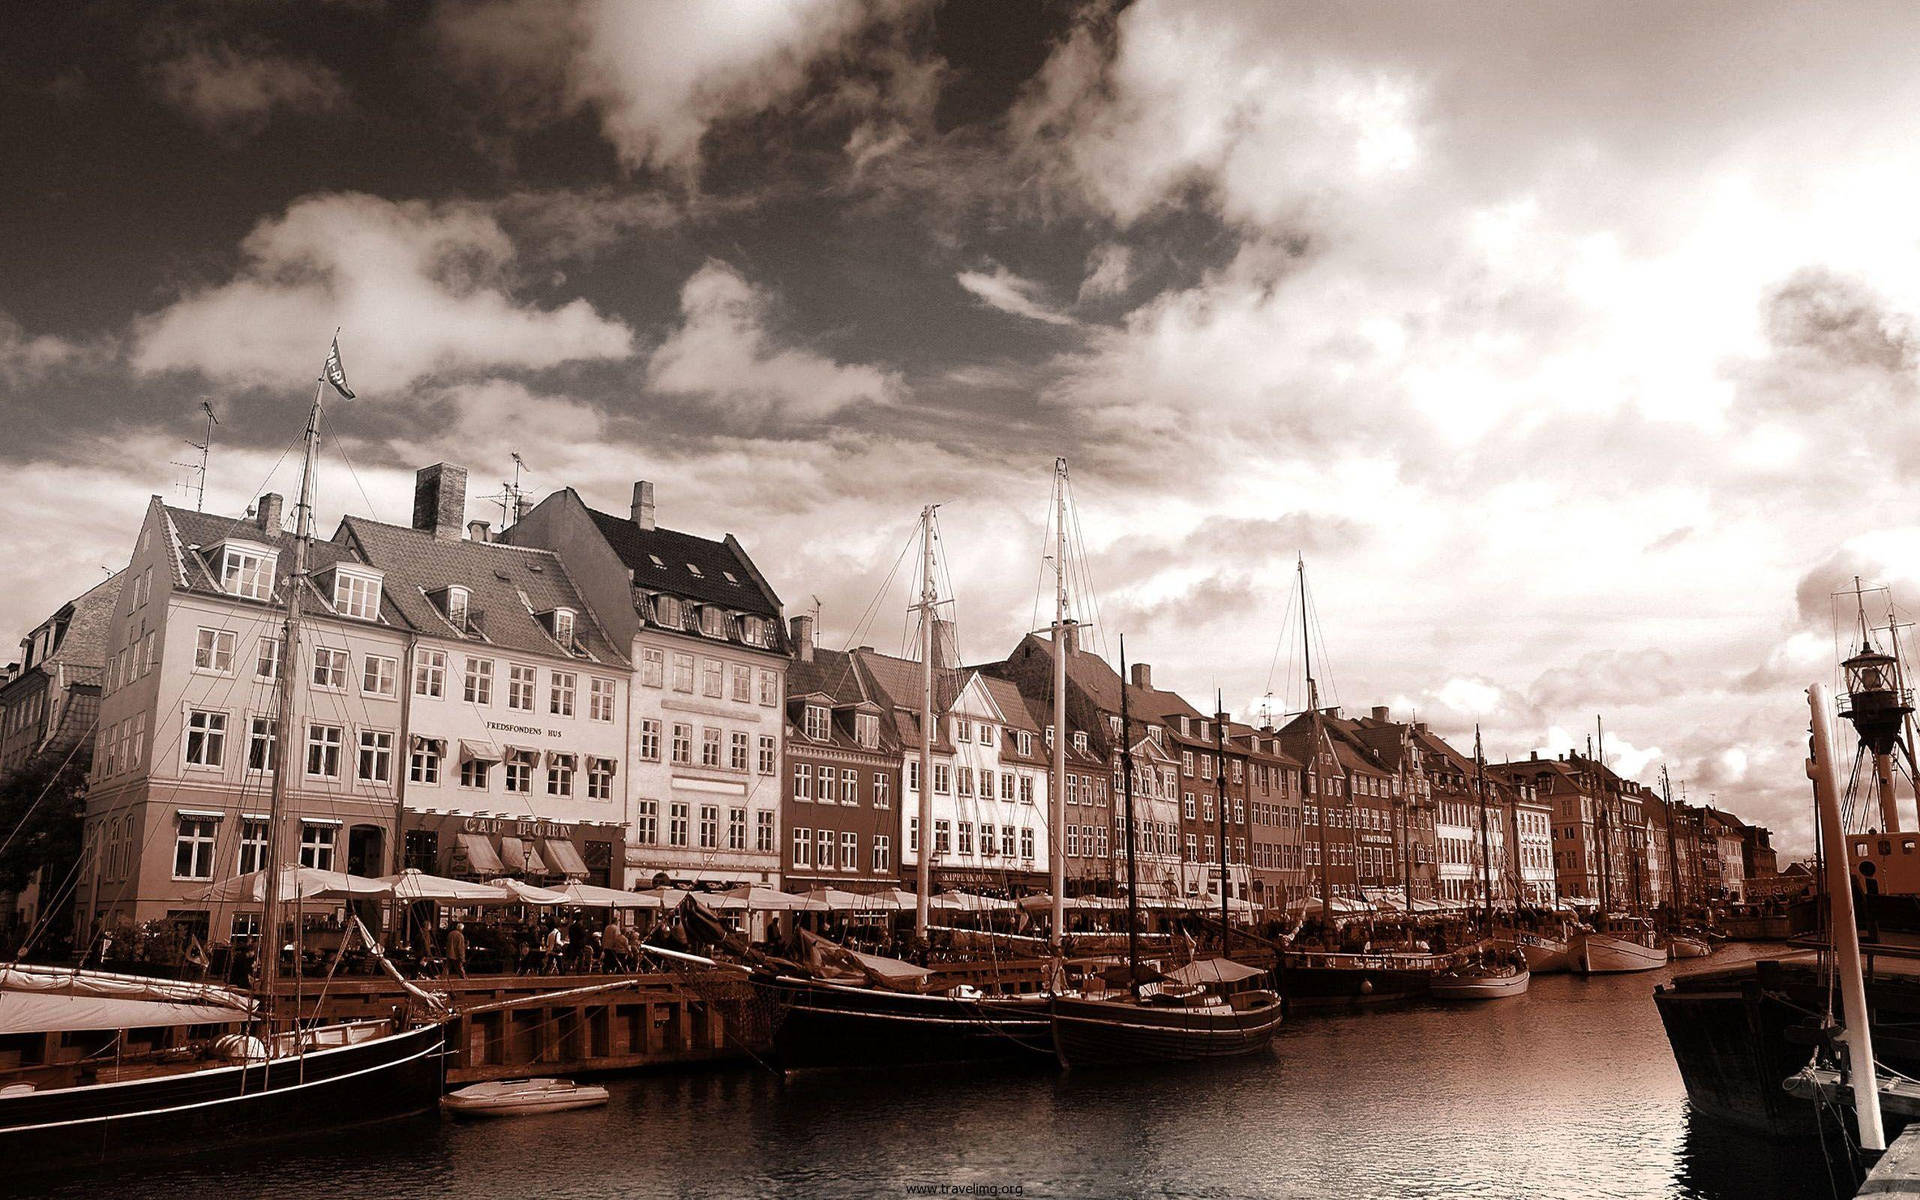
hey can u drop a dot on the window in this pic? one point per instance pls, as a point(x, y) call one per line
point(1080, 740)
point(263, 750)
point(560, 695)
point(1007, 783)
point(193, 848)
point(802, 847)
point(962, 729)
point(913, 775)
point(376, 756)
point(769, 689)
point(563, 627)
point(646, 822)
point(710, 747)
point(356, 595)
point(1026, 843)
point(423, 764)
point(213, 651)
point(913, 835)
point(683, 744)
point(988, 845)
point(1006, 840)
point(712, 678)
point(986, 780)
point(683, 673)
point(849, 786)
point(1026, 789)
point(520, 684)
point(478, 687)
point(653, 668)
point(882, 854)
point(206, 738)
point(816, 722)
point(768, 758)
point(803, 781)
point(457, 598)
point(317, 843)
point(245, 573)
point(377, 674)
point(677, 824)
point(963, 779)
point(1073, 841)
point(737, 751)
point(743, 685)
point(519, 766)
point(430, 674)
point(849, 852)
point(755, 631)
point(600, 695)
point(713, 619)
point(882, 790)
point(709, 826)
point(649, 739)
point(1026, 744)
point(966, 838)
point(323, 751)
point(825, 793)
point(866, 729)
point(736, 829)
point(473, 774)
point(1186, 763)
point(560, 774)
point(986, 735)
point(329, 667)
point(253, 846)
point(942, 779)
point(763, 831)
point(1187, 807)
point(942, 837)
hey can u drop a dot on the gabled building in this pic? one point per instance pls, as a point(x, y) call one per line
point(705, 635)
point(840, 801)
point(1275, 783)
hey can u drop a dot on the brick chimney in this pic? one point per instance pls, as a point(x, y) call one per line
point(440, 500)
point(802, 630)
point(266, 514)
point(1379, 712)
point(1070, 636)
point(641, 511)
point(1143, 675)
point(946, 644)
point(478, 531)
point(1420, 726)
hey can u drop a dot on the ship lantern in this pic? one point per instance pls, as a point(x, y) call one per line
point(1875, 703)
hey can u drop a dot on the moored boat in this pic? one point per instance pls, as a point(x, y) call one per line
point(1544, 954)
point(1482, 981)
point(824, 1025)
point(1177, 1024)
point(1682, 945)
point(1618, 951)
point(522, 1097)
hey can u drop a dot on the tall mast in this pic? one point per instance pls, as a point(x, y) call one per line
point(1602, 814)
point(1673, 852)
point(1057, 786)
point(1220, 795)
point(1900, 679)
point(1133, 869)
point(1486, 842)
point(283, 721)
point(1313, 752)
point(929, 596)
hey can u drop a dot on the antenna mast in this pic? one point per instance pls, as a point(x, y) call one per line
point(198, 470)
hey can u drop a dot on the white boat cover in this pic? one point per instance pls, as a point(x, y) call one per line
point(1214, 971)
point(41, 999)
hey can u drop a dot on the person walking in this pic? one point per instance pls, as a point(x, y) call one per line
point(457, 951)
point(555, 950)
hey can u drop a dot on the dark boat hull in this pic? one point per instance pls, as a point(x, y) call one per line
point(1119, 1033)
point(221, 1107)
point(1356, 981)
point(826, 1026)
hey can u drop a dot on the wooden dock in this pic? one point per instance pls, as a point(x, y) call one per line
point(1897, 1173)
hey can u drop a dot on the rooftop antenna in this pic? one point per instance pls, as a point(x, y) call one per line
point(512, 498)
point(198, 471)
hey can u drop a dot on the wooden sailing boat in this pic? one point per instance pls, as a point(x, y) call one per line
point(1157, 1018)
point(222, 1088)
point(1501, 975)
point(1619, 942)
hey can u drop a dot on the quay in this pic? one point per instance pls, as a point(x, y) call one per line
point(1898, 1171)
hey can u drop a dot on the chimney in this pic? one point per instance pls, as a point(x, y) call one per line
point(1070, 636)
point(802, 630)
point(1533, 756)
point(1143, 675)
point(946, 645)
point(266, 514)
point(1379, 712)
point(440, 500)
point(1420, 726)
point(477, 531)
point(642, 510)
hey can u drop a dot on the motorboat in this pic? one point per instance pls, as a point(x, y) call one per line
point(522, 1097)
point(1482, 981)
point(1620, 945)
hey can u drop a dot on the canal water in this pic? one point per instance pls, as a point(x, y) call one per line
point(1569, 1091)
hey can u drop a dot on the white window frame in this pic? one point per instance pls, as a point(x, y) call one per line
point(330, 667)
point(430, 673)
point(476, 684)
point(324, 748)
point(210, 726)
point(213, 651)
point(356, 594)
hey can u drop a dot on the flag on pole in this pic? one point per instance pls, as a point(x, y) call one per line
point(335, 373)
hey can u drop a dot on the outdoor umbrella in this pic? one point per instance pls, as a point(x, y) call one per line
point(410, 886)
point(586, 895)
point(765, 899)
point(526, 893)
point(296, 883)
point(969, 902)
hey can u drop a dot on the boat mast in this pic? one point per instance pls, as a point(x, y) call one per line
point(929, 596)
point(1133, 869)
point(1486, 843)
point(1220, 796)
point(1056, 787)
point(1900, 678)
point(1601, 815)
point(283, 720)
point(1313, 752)
point(1673, 847)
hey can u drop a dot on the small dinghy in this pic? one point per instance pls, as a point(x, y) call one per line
point(522, 1097)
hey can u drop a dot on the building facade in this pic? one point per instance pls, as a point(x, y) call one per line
point(841, 791)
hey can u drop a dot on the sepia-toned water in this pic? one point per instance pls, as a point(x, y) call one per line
point(1569, 1091)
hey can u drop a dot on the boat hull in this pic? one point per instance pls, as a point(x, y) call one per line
point(1494, 987)
point(1118, 1033)
point(217, 1108)
point(827, 1026)
point(1604, 954)
point(1687, 947)
point(523, 1098)
point(1544, 955)
point(1313, 980)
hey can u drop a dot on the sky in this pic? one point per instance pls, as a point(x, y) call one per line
point(1571, 346)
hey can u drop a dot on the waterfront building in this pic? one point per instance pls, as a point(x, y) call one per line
point(1213, 797)
point(1757, 854)
point(1528, 825)
point(1091, 817)
point(185, 751)
point(515, 749)
point(841, 779)
point(1729, 835)
point(1274, 787)
point(1156, 816)
point(1576, 855)
point(706, 639)
point(1405, 749)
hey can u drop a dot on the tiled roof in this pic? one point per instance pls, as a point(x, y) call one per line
point(680, 556)
point(1096, 677)
point(197, 531)
point(84, 644)
point(509, 584)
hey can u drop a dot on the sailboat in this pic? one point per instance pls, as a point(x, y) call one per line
point(1210, 1009)
point(1619, 942)
point(230, 1072)
point(1486, 978)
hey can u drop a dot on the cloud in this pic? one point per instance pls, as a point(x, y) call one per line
point(1109, 271)
point(725, 354)
point(1003, 290)
point(419, 288)
point(233, 92)
point(25, 358)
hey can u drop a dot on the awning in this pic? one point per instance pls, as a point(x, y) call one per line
point(610, 765)
point(521, 856)
point(478, 752)
point(423, 742)
point(565, 858)
point(523, 754)
point(562, 758)
point(481, 859)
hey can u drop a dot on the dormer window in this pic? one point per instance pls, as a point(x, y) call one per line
point(866, 728)
point(563, 626)
point(1080, 740)
point(816, 718)
point(457, 604)
point(1184, 730)
point(668, 611)
point(713, 621)
point(247, 570)
point(356, 594)
point(756, 631)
